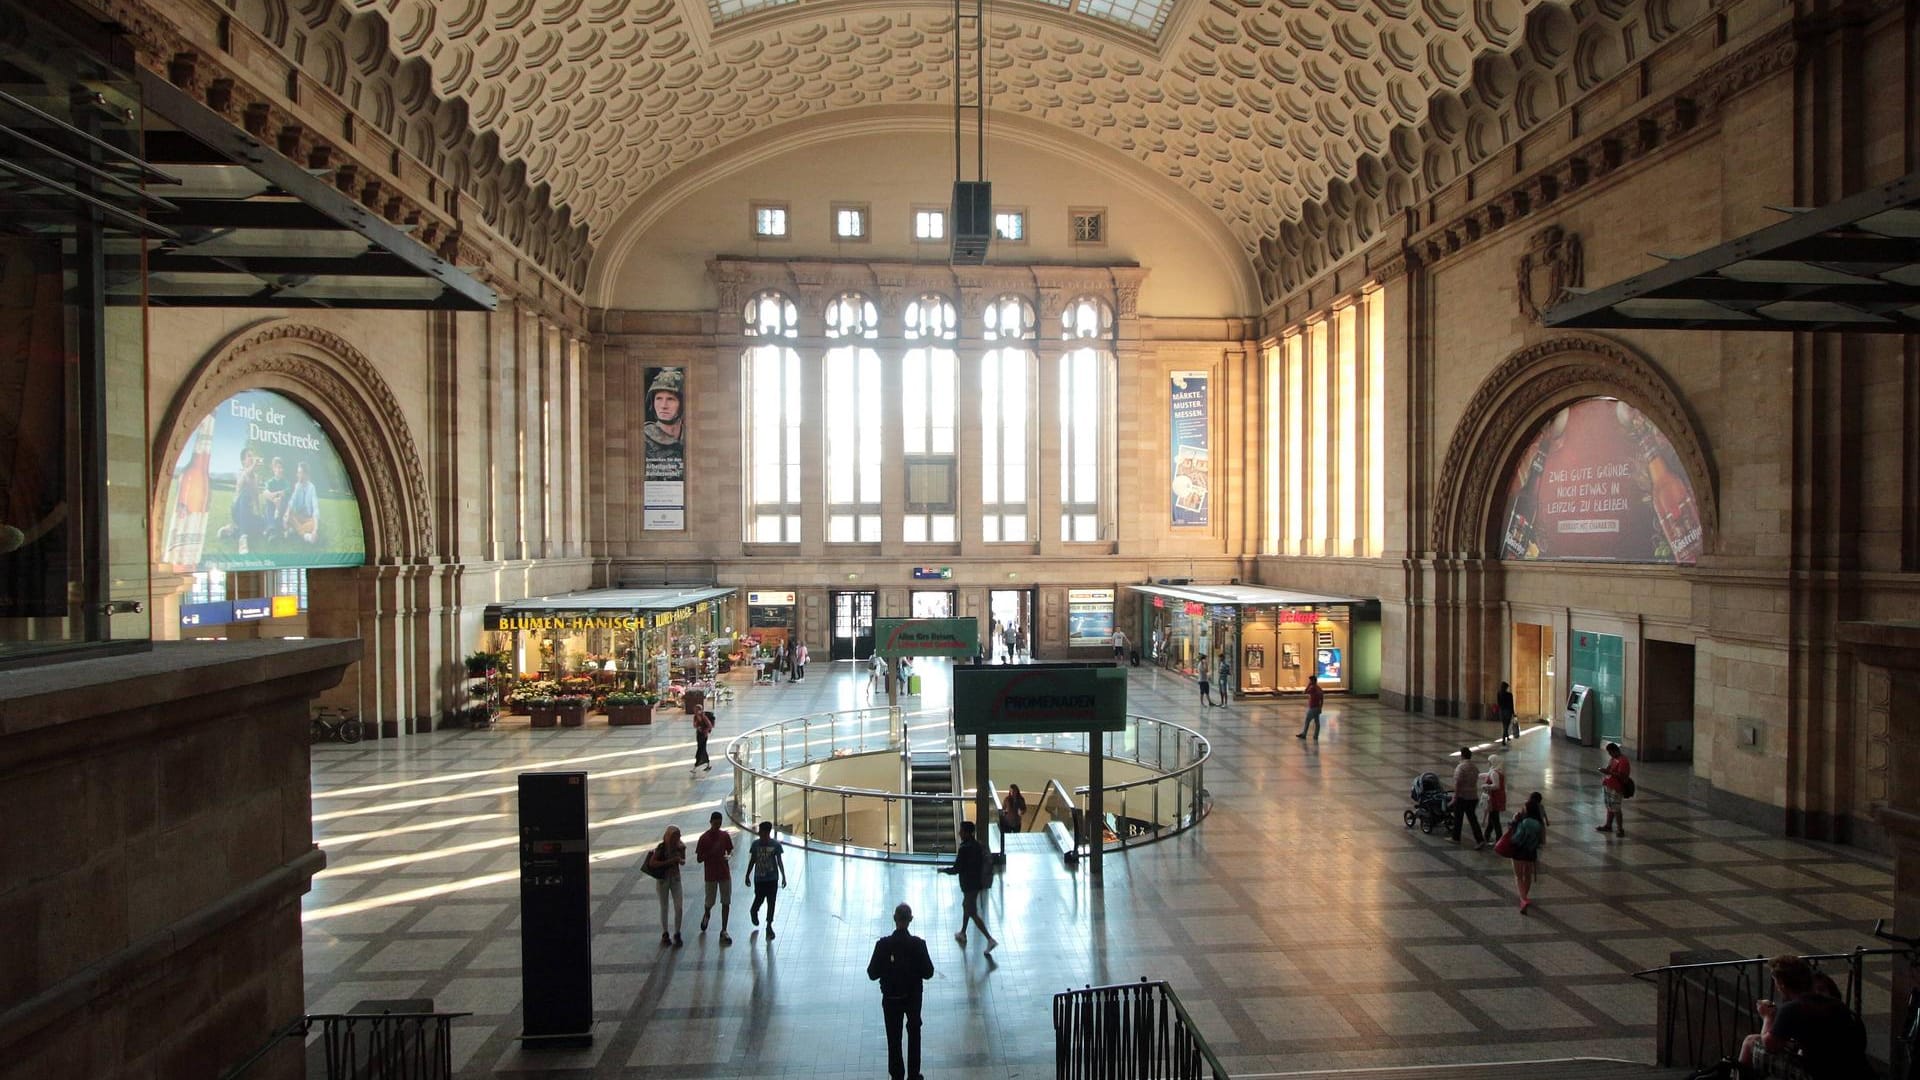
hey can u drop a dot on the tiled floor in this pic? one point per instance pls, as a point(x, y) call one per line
point(1303, 925)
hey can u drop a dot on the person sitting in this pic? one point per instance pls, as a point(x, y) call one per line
point(1817, 1031)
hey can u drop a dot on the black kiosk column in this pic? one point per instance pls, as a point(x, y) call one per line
point(556, 959)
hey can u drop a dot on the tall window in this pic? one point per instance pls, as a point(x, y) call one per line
point(927, 421)
point(1086, 325)
point(773, 421)
point(291, 583)
point(1004, 433)
point(1333, 428)
point(853, 435)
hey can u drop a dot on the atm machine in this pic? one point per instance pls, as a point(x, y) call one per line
point(1582, 722)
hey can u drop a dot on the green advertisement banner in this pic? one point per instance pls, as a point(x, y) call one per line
point(259, 486)
point(1027, 700)
point(926, 637)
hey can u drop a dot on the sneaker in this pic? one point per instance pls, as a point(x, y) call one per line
point(666, 938)
point(1603, 828)
point(726, 938)
point(709, 768)
point(961, 937)
point(770, 934)
point(1302, 735)
point(703, 920)
point(677, 942)
point(992, 944)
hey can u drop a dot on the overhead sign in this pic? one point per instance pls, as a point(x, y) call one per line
point(926, 637)
point(932, 573)
point(1089, 596)
point(1037, 700)
point(218, 613)
point(769, 599)
point(259, 607)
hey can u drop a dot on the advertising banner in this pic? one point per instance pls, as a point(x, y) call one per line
point(1089, 617)
point(1601, 483)
point(1192, 417)
point(259, 486)
point(926, 637)
point(664, 481)
point(1034, 701)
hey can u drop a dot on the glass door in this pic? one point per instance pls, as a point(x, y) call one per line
point(853, 625)
point(931, 605)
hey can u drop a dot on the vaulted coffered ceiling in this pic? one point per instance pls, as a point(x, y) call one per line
point(1293, 120)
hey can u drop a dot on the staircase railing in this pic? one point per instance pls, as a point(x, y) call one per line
point(1129, 1031)
point(372, 1046)
point(1708, 1008)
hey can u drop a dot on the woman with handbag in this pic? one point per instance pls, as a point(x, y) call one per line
point(1618, 785)
point(1493, 785)
point(663, 864)
point(1522, 843)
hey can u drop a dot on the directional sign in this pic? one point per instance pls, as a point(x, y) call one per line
point(926, 637)
point(1027, 700)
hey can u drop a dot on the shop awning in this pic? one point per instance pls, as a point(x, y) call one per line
point(1244, 595)
point(1852, 265)
point(600, 609)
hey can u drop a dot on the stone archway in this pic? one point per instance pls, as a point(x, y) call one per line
point(340, 387)
point(1524, 391)
point(390, 603)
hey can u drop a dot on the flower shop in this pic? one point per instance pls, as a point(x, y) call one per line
point(620, 653)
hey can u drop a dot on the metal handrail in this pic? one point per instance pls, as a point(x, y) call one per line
point(1129, 1031)
point(398, 1046)
point(1699, 1029)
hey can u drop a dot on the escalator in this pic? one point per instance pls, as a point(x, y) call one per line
point(930, 821)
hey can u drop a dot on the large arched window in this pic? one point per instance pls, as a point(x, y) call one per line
point(853, 399)
point(772, 395)
point(1006, 372)
point(1087, 326)
point(927, 421)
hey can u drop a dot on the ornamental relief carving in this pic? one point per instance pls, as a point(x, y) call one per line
point(1522, 391)
point(343, 390)
point(1547, 270)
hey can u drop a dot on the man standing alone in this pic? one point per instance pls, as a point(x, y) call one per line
point(713, 850)
point(970, 863)
point(1315, 698)
point(901, 964)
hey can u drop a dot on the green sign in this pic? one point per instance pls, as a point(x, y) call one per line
point(1031, 701)
point(926, 637)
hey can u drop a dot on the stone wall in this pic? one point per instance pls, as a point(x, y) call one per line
point(159, 838)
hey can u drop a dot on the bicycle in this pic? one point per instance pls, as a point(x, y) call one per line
point(331, 724)
point(1909, 1030)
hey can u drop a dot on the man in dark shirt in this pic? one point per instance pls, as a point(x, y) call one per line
point(1830, 1040)
point(970, 863)
point(901, 964)
point(713, 851)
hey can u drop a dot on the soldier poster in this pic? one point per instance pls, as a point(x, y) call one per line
point(1191, 420)
point(664, 482)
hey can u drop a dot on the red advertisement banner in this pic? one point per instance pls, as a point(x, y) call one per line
point(1601, 483)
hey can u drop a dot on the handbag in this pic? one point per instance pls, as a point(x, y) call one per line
point(652, 869)
point(1627, 787)
point(1503, 847)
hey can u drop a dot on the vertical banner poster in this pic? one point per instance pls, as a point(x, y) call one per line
point(1191, 474)
point(259, 486)
point(1601, 482)
point(664, 480)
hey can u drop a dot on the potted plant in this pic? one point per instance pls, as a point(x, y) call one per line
point(482, 664)
point(572, 709)
point(627, 708)
point(540, 707)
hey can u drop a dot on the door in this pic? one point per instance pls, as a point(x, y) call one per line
point(1010, 611)
point(930, 605)
point(1599, 662)
point(1666, 698)
point(1529, 694)
point(852, 625)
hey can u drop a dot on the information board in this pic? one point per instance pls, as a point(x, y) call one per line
point(1030, 700)
point(926, 637)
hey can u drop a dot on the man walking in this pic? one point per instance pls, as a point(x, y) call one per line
point(970, 863)
point(1466, 798)
point(1316, 697)
point(767, 872)
point(1509, 723)
point(901, 965)
point(713, 851)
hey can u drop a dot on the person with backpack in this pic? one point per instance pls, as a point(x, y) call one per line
point(1524, 839)
point(901, 966)
point(663, 865)
point(1617, 786)
point(970, 863)
point(702, 727)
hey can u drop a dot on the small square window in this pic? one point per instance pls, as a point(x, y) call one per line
point(929, 224)
point(849, 221)
point(1010, 226)
point(1086, 226)
point(770, 221)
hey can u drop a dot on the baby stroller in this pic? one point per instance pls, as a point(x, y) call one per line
point(1429, 803)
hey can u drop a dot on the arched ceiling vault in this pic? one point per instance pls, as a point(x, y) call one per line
point(1300, 123)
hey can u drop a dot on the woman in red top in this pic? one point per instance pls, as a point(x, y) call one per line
point(1616, 773)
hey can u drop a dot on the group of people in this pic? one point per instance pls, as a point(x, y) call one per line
point(791, 657)
point(877, 675)
point(266, 504)
point(766, 872)
point(1008, 637)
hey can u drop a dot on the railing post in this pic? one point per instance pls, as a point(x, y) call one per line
point(846, 836)
point(806, 816)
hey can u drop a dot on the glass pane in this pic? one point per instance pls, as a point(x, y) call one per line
point(913, 528)
point(793, 528)
point(840, 529)
point(1015, 482)
point(1015, 527)
point(870, 528)
point(1085, 528)
point(766, 528)
point(990, 528)
point(943, 528)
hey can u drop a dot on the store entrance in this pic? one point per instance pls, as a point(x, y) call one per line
point(853, 625)
point(930, 605)
point(1534, 696)
point(1666, 707)
point(1010, 633)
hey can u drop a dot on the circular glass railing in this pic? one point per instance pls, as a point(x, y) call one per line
point(838, 782)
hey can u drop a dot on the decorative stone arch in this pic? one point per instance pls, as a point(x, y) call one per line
point(1523, 392)
point(340, 387)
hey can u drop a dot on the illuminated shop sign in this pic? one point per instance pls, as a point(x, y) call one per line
point(495, 619)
